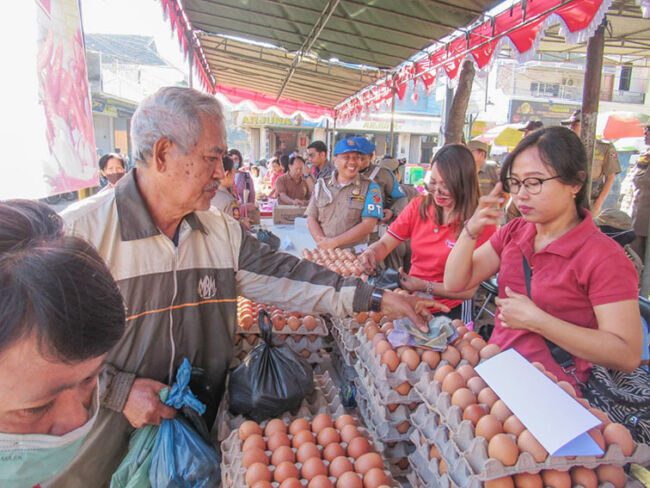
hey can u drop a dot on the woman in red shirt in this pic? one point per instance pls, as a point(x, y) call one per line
point(583, 288)
point(433, 222)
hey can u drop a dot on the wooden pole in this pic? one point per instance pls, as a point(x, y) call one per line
point(456, 119)
point(591, 96)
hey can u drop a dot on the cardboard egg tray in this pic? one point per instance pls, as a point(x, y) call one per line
point(295, 342)
point(346, 372)
point(386, 432)
point(346, 328)
point(320, 330)
point(233, 474)
point(469, 466)
point(367, 373)
point(426, 469)
point(348, 356)
point(324, 399)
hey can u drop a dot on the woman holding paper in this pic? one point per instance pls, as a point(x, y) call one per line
point(583, 289)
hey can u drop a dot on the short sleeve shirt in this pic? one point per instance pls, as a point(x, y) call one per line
point(226, 202)
point(385, 179)
point(579, 270)
point(605, 163)
point(430, 243)
point(488, 177)
point(295, 190)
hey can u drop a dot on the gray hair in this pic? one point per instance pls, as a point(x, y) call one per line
point(172, 112)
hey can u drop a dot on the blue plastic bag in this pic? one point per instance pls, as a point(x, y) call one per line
point(180, 457)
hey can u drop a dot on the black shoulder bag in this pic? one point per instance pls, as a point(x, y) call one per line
point(625, 397)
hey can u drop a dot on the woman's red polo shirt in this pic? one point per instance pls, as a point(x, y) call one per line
point(579, 270)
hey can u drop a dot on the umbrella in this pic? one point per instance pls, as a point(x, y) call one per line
point(622, 124)
point(502, 135)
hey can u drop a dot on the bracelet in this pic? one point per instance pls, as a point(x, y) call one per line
point(375, 299)
point(429, 288)
point(470, 235)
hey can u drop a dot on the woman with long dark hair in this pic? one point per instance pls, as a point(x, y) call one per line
point(433, 223)
point(560, 278)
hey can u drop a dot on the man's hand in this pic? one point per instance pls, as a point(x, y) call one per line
point(416, 308)
point(143, 406)
point(388, 214)
point(368, 261)
point(518, 311)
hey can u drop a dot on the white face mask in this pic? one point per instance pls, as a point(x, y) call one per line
point(29, 459)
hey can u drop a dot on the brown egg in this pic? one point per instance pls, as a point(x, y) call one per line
point(291, 483)
point(478, 343)
point(602, 416)
point(451, 355)
point(488, 351)
point(307, 450)
point(375, 478)
point(278, 322)
point(527, 442)
point(361, 317)
point(452, 382)
point(282, 454)
point(403, 427)
point(528, 480)
point(349, 432)
point(505, 482)
point(293, 323)
point(344, 420)
point(598, 437)
point(382, 346)
point(376, 316)
point(441, 372)
point(469, 354)
point(328, 436)
point(568, 387)
point(349, 480)
point(298, 425)
point(367, 461)
point(473, 413)
point(403, 388)
point(463, 397)
point(618, 434)
point(320, 422)
point(278, 439)
point(257, 472)
point(390, 359)
point(285, 470)
point(504, 448)
point(476, 384)
point(249, 428)
point(313, 467)
point(614, 474)
point(320, 481)
point(275, 425)
point(467, 372)
point(487, 396)
point(551, 376)
point(332, 451)
point(500, 410)
point(301, 437)
point(539, 365)
point(584, 476)
point(556, 479)
point(262, 484)
point(254, 440)
point(309, 322)
point(340, 465)
point(387, 327)
point(254, 455)
point(462, 330)
point(411, 358)
point(358, 447)
point(513, 426)
point(488, 426)
point(432, 358)
point(371, 330)
point(247, 321)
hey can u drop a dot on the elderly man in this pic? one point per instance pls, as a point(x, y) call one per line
point(180, 268)
point(605, 165)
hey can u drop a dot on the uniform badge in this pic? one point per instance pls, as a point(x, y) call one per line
point(375, 195)
point(356, 191)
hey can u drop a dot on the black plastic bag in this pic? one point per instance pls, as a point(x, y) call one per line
point(272, 379)
point(387, 279)
point(268, 237)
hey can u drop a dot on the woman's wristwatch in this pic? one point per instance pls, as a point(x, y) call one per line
point(375, 299)
point(429, 288)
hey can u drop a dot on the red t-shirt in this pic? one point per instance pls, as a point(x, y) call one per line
point(430, 244)
point(579, 270)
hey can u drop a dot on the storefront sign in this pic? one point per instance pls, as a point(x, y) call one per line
point(549, 113)
point(412, 125)
point(251, 119)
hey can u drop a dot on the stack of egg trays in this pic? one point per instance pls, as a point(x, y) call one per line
point(467, 455)
point(233, 474)
point(366, 352)
point(367, 373)
point(324, 399)
point(345, 340)
point(346, 372)
point(425, 470)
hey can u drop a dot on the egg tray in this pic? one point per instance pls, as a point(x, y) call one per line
point(324, 399)
point(345, 327)
point(233, 474)
point(473, 462)
point(400, 414)
point(296, 343)
point(349, 357)
point(320, 329)
point(382, 390)
point(346, 372)
point(425, 468)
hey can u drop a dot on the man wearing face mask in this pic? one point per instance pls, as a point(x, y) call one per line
point(112, 167)
point(61, 312)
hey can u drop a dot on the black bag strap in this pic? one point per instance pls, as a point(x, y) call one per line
point(563, 358)
point(264, 323)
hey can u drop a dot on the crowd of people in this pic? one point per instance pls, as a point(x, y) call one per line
point(108, 299)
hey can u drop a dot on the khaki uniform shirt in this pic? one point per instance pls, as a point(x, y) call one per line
point(488, 177)
point(287, 185)
point(641, 205)
point(338, 208)
point(391, 190)
point(605, 163)
point(225, 201)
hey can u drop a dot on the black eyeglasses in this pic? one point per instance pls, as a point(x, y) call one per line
point(532, 185)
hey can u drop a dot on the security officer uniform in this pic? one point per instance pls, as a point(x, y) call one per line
point(488, 177)
point(641, 202)
point(605, 163)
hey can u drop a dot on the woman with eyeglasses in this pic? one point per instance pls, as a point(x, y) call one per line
point(433, 223)
point(583, 289)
